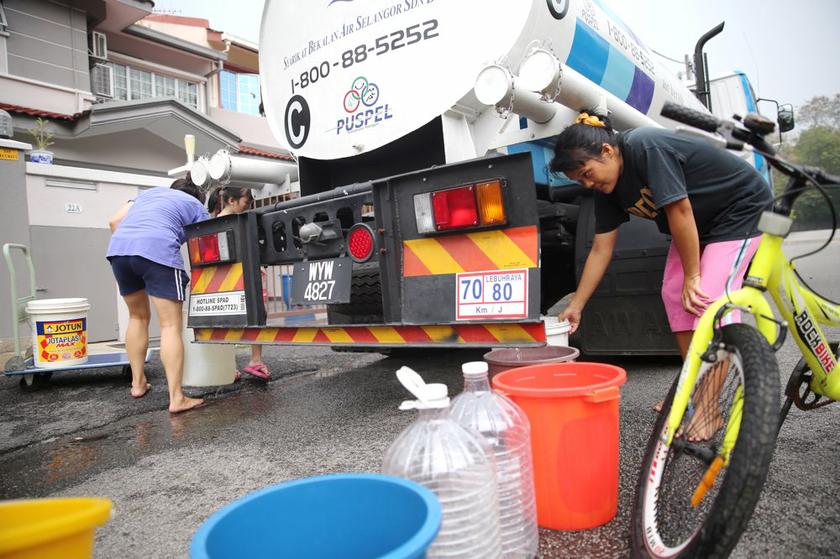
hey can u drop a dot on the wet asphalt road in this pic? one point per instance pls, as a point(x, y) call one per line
point(333, 412)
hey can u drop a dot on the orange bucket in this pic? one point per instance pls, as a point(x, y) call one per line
point(573, 410)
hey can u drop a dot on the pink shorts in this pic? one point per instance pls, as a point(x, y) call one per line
point(722, 269)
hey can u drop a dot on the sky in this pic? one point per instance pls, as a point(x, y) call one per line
point(789, 50)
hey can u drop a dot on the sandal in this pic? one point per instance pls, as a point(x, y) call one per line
point(258, 370)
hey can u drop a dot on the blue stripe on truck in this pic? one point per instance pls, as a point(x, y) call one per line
point(605, 65)
point(589, 53)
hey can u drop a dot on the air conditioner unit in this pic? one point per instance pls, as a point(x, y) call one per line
point(102, 80)
point(98, 45)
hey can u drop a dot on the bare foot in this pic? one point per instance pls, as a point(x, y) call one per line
point(140, 391)
point(185, 404)
point(703, 425)
point(658, 407)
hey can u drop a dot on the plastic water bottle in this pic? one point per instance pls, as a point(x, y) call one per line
point(506, 428)
point(456, 464)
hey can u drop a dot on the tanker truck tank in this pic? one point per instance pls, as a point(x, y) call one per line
point(422, 95)
point(343, 78)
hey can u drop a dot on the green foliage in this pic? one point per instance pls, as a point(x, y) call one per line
point(40, 134)
point(820, 111)
point(818, 145)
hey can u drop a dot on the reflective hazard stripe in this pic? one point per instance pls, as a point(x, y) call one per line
point(218, 279)
point(504, 249)
point(458, 334)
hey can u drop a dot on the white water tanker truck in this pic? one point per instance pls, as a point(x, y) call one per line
point(439, 115)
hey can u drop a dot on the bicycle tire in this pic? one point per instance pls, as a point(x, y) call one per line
point(737, 488)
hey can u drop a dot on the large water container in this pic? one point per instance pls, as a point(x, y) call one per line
point(506, 428)
point(456, 464)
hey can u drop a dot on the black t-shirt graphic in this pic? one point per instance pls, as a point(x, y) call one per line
point(727, 195)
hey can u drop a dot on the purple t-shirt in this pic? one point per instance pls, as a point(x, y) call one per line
point(154, 226)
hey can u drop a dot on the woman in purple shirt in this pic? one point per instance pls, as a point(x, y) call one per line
point(145, 257)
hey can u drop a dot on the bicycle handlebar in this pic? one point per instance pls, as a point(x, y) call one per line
point(821, 176)
point(732, 131)
point(685, 115)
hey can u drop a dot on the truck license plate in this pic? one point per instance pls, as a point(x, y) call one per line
point(322, 281)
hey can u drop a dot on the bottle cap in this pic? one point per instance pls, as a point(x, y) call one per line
point(434, 395)
point(475, 369)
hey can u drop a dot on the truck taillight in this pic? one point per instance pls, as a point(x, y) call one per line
point(209, 249)
point(361, 242)
point(465, 207)
point(455, 208)
point(491, 209)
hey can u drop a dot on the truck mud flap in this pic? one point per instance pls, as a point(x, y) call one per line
point(365, 306)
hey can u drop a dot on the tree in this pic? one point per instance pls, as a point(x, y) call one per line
point(818, 144)
point(820, 111)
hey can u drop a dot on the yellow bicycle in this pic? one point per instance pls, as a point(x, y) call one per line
point(708, 455)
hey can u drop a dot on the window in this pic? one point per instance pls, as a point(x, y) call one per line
point(140, 84)
point(240, 92)
point(227, 87)
point(164, 86)
point(120, 84)
point(4, 23)
point(136, 84)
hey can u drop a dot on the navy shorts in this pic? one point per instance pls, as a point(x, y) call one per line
point(134, 273)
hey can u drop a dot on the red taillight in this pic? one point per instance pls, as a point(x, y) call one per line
point(210, 249)
point(360, 242)
point(454, 208)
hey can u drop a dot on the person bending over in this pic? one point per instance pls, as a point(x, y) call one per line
point(707, 199)
point(145, 257)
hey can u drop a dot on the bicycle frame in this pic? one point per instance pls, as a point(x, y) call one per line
point(769, 271)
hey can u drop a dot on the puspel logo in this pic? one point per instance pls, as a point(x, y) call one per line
point(361, 93)
point(361, 104)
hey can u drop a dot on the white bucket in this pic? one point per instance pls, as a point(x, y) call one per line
point(59, 332)
point(556, 332)
point(207, 364)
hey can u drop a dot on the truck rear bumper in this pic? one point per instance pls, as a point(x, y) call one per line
point(383, 335)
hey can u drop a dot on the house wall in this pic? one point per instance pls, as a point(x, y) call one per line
point(47, 42)
point(192, 33)
point(136, 149)
point(14, 227)
point(74, 204)
point(251, 128)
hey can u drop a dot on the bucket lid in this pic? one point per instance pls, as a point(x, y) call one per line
point(73, 304)
point(560, 380)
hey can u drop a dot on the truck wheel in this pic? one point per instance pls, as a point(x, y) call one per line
point(365, 306)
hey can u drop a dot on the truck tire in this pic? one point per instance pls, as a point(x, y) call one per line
point(365, 306)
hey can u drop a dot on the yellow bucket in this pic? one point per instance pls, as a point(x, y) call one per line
point(51, 528)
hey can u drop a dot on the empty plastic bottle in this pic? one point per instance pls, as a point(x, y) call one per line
point(456, 464)
point(506, 428)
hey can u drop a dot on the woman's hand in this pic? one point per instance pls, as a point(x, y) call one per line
point(694, 299)
point(572, 314)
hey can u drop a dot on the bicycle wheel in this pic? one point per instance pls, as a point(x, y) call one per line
point(665, 524)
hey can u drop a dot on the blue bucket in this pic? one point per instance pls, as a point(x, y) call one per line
point(353, 516)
